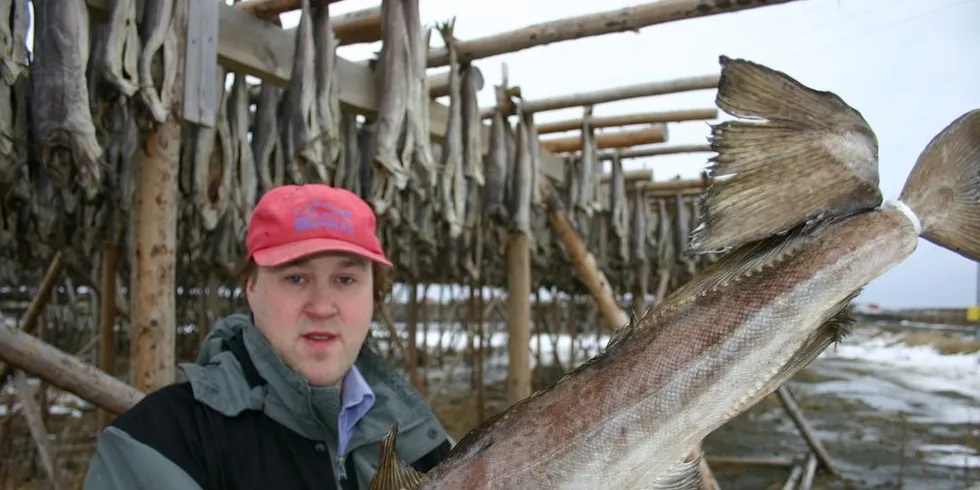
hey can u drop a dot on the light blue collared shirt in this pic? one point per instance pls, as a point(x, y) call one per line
point(356, 399)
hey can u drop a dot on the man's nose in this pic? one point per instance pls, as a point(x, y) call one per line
point(321, 305)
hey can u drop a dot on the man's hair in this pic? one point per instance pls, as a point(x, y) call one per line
point(382, 281)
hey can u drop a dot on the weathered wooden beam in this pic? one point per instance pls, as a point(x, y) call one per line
point(648, 89)
point(439, 83)
point(654, 133)
point(670, 185)
point(655, 151)
point(518, 317)
point(360, 26)
point(64, 371)
point(642, 175)
point(269, 8)
point(597, 24)
point(631, 119)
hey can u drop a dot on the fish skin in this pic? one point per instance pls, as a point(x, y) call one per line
point(452, 185)
point(390, 172)
point(301, 124)
point(61, 117)
point(158, 37)
point(327, 95)
point(630, 416)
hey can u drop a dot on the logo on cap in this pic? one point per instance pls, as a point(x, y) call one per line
point(322, 215)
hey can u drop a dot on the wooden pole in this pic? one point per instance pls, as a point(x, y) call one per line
point(654, 133)
point(439, 82)
point(29, 322)
point(649, 89)
point(656, 151)
point(107, 320)
point(597, 24)
point(518, 317)
point(631, 119)
point(582, 259)
point(154, 230)
point(799, 419)
point(360, 26)
point(35, 424)
point(66, 372)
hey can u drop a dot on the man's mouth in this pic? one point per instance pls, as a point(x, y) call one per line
point(320, 336)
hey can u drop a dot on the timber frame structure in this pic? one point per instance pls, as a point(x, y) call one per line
point(140, 184)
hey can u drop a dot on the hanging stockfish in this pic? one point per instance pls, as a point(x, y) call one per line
point(665, 241)
point(327, 95)
point(390, 173)
point(301, 125)
point(587, 167)
point(452, 182)
point(366, 138)
point(61, 118)
point(417, 152)
point(495, 171)
point(420, 196)
point(619, 210)
point(348, 173)
point(521, 180)
point(157, 80)
point(120, 53)
point(472, 126)
point(638, 232)
point(682, 222)
point(535, 161)
point(245, 180)
point(13, 94)
point(572, 187)
point(211, 151)
point(266, 141)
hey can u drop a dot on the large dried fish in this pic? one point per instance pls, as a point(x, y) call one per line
point(417, 152)
point(301, 125)
point(157, 81)
point(638, 232)
point(243, 162)
point(210, 148)
point(587, 167)
point(13, 39)
point(14, 91)
point(495, 170)
point(472, 125)
point(366, 140)
point(619, 208)
point(266, 141)
point(392, 69)
point(61, 118)
point(521, 179)
point(119, 55)
point(349, 171)
point(327, 93)
point(452, 183)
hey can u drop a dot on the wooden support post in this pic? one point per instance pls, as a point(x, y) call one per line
point(35, 424)
point(29, 322)
point(107, 320)
point(799, 419)
point(38, 358)
point(153, 292)
point(518, 317)
point(596, 24)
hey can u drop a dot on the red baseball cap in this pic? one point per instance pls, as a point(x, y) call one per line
point(292, 221)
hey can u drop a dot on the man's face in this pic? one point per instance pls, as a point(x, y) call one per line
point(315, 312)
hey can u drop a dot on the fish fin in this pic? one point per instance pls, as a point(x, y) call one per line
point(943, 188)
point(392, 474)
point(623, 331)
point(807, 154)
point(685, 475)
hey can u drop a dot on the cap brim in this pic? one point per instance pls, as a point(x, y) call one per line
point(283, 254)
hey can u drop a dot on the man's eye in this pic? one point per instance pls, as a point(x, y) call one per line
point(294, 279)
point(346, 280)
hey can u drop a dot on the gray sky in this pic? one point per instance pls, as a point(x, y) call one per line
point(909, 66)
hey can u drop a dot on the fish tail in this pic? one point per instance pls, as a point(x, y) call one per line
point(943, 188)
point(796, 154)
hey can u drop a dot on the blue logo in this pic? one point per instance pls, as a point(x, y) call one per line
point(320, 215)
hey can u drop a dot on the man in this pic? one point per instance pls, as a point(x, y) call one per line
point(285, 397)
